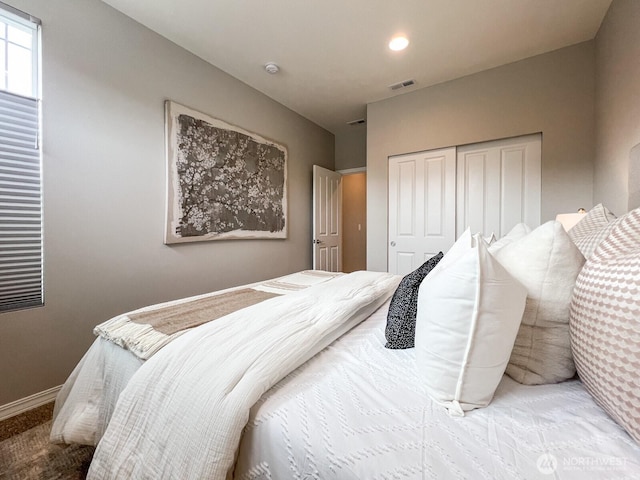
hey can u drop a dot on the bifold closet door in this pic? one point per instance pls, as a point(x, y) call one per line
point(422, 202)
point(435, 195)
point(499, 185)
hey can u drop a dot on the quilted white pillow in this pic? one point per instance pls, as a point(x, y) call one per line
point(469, 311)
point(547, 262)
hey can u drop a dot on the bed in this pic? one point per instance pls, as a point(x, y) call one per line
point(338, 404)
point(357, 411)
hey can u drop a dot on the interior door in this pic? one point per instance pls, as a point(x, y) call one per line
point(327, 223)
point(499, 185)
point(422, 207)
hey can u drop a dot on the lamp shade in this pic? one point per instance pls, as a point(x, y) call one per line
point(568, 220)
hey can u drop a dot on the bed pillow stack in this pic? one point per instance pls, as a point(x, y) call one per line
point(486, 310)
point(605, 323)
point(469, 312)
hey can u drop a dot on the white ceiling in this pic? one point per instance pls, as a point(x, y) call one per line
point(333, 54)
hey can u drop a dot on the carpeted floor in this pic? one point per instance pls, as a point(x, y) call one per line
point(30, 456)
point(26, 420)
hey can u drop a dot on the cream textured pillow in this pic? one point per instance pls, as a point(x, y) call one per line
point(547, 263)
point(605, 324)
point(592, 229)
point(469, 310)
point(516, 233)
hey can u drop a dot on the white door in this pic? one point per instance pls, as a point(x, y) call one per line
point(327, 220)
point(499, 185)
point(422, 203)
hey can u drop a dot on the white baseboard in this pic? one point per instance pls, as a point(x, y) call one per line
point(28, 403)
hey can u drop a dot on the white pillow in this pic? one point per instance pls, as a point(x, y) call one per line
point(547, 262)
point(491, 239)
point(469, 311)
point(516, 233)
point(459, 248)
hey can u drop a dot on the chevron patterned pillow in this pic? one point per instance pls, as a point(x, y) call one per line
point(592, 229)
point(605, 324)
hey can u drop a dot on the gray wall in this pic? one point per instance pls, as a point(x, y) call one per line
point(351, 147)
point(551, 93)
point(105, 79)
point(634, 177)
point(617, 105)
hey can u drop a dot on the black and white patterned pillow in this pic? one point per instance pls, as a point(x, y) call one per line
point(401, 319)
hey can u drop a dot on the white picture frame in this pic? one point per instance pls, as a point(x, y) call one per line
point(223, 182)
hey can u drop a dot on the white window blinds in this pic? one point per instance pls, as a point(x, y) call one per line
point(20, 172)
point(20, 204)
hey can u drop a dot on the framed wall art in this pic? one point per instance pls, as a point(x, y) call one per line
point(223, 182)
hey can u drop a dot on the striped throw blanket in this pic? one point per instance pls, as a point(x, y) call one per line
point(147, 330)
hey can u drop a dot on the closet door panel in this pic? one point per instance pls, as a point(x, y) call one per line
point(435, 195)
point(498, 185)
point(421, 207)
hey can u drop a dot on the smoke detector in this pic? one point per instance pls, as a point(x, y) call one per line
point(272, 68)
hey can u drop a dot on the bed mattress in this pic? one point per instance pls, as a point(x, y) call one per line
point(358, 411)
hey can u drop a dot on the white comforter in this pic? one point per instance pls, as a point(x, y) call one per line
point(182, 413)
point(87, 399)
point(358, 411)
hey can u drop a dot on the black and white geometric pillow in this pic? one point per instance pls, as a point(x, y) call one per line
point(400, 331)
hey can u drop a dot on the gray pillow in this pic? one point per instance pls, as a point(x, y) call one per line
point(401, 319)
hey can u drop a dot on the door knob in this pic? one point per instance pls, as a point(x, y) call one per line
point(316, 241)
point(393, 244)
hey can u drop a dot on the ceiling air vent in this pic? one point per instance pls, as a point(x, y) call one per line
point(360, 121)
point(404, 84)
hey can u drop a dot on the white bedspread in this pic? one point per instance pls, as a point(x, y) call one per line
point(358, 411)
point(182, 413)
point(87, 399)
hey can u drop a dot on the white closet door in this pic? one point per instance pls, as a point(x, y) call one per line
point(499, 185)
point(421, 207)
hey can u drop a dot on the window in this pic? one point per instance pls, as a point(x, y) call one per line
point(20, 163)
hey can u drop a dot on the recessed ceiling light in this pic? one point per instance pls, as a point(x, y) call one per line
point(399, 42)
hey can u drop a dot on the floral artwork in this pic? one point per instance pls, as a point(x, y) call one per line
point(224, 182)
